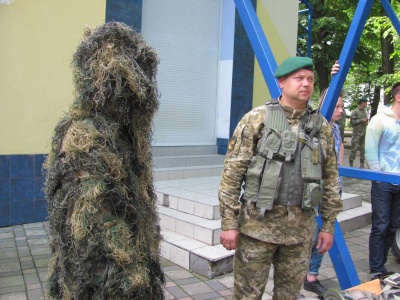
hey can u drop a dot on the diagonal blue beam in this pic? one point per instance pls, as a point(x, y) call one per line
point(392, 15)
point(346, 56)
point(260, 44)
point(339, 253)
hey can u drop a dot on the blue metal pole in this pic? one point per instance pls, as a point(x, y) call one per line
point(392, 15)
point(346, 56)
point(260, 44)
point(370, 175)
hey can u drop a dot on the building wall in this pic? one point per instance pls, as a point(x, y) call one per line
point(38, 39)
point(249, 88)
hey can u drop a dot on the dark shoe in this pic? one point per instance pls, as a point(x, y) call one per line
point(314, 286)
point(351, 163)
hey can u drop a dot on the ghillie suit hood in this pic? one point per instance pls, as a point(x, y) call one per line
point(99, 187)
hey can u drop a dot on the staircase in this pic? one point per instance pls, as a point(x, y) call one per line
point(186, 183)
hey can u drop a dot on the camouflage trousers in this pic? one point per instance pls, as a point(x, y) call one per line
point(252, 262)
point(357, 142)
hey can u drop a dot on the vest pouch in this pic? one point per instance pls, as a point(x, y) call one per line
point(253, 178)
point(289, 144)
point(272, 143)
point(311, 161)
point(269, 188)
point(312, 196)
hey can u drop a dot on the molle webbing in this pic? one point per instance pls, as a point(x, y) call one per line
point(275, 173)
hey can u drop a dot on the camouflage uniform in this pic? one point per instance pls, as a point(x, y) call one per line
point(283, 237)
point(358, 138)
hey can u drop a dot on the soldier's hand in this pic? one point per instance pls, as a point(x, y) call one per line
point(335, 68)
point(228, 239)
point(325, 241)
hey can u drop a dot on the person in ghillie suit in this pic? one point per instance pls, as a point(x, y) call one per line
point(99, 187)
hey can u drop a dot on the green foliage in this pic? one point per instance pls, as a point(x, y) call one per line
point(331, 22)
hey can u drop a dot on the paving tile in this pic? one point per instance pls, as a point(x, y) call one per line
point(35, 294)
point(179, 274)
point(14, 296)
point(31, 278)
point(177, 292)
point(206, 296)
point(215, 285)
point(196, 288)
point(187, 281)
point(11, 281)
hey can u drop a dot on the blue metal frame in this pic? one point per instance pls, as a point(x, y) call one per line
point(308, 30)
point(341, 259)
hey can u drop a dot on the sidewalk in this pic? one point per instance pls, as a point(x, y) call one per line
point(24, 257)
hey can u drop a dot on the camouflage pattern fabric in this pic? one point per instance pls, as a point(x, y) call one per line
point(284, 234)
point(252, 263)
point(358, 138)
point(240, 152)
point(104, 227)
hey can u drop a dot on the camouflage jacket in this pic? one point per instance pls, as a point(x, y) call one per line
point(356, 122)
point(282, 224)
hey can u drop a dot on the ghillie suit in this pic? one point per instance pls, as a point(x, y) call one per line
point(103, 222)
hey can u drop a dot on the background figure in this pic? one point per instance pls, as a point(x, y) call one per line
point(383, 154)
point(359, 121)
point(342, 124)
point(276, 148)
point(311, 283)
point(99, 187)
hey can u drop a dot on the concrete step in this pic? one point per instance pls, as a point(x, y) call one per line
point(193, 219)
point(186, 172)
point(199, 196)
point(188, 161)
point(214, 260)
point(189, 218)
point(195, 196)
point(159, 151)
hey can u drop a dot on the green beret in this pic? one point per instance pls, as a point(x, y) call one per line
point(363, 99)
point(293, 64)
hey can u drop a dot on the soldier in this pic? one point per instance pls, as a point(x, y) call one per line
point(283, 151)
point(359, 121)
point(104, 231)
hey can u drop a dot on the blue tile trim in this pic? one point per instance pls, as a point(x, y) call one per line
point(243, 73)
point(5, 190)
point(5, 214)
point(22, 189)
point(41, 213)
point(22, 212)
point(22, 166)
point(4, 166)
point(222, 145)
point(22, 198)
point(126, 11)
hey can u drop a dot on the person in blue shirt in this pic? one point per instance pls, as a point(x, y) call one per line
point(382, 144)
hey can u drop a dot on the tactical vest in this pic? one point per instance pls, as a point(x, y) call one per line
point(287, 166)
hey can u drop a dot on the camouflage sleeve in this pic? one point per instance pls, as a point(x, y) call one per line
point(331, 202)
point(355, 118)
point(238, 157)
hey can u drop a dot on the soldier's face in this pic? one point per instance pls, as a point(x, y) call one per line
point(338, 111)
point(297, 88)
